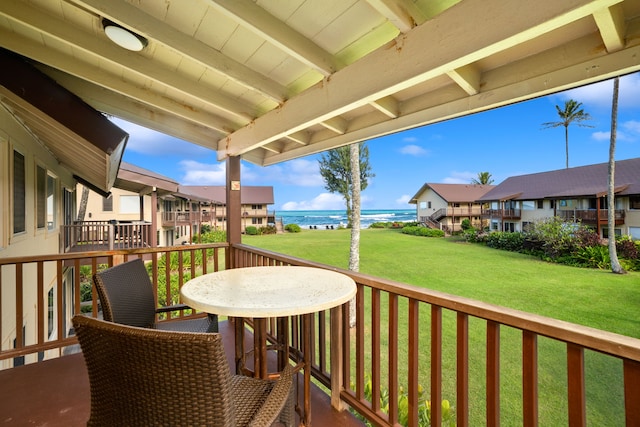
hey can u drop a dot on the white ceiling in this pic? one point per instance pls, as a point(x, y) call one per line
point(272, 80)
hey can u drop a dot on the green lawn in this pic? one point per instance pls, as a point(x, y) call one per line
point(593, 298)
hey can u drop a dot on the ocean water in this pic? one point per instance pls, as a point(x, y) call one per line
point(322, 219)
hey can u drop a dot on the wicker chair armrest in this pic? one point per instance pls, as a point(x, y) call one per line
point(175, 307)
point(276, 400)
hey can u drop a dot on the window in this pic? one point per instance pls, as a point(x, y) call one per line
point(429, 205)
point(129, 204)
point(256, 221)
point(528, 205)
point(540, 204)
point(19, 192)
point(552, 204)
point(107, 203)
point(52, 185)
point(256, 207)
point(634, 202)
point(41, 196)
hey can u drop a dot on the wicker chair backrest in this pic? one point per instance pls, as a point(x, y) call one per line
point(126, 294)
point(147, 377)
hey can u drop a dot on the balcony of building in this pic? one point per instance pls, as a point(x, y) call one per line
point(591, 216)
point(397, 342)
point(84, 236)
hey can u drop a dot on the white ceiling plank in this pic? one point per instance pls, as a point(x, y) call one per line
point(253, 17)
point(407, 63)
point(467, 77)
point(611, 24)
point(24, 14)
point(185, 45)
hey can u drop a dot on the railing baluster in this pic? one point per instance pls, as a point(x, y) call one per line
point(632, 392)
point(462, 369)
point(19, 305)
point(493, 373)
point(393, 357)
point(41, 302)
point(375, 350)
point(576, 386)
point(360, 333)
point(414, 328)
point(436, 365)
point(530, 378)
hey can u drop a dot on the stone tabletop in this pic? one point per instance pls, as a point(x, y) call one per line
point(268, 291)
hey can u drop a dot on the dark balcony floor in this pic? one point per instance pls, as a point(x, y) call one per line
point(55, 393)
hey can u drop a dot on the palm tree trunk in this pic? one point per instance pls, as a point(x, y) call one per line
point(354, 249)
point(611, 214)
point(566, 144)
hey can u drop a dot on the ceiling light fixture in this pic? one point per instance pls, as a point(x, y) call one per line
point(123, 37)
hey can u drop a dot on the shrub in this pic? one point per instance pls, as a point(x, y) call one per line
point(594, 256)
point(211, 236)
point(292, 228)
point(507, 241)
point(251, 230)
point(422, 231)
point(465, 224)
point(268, 229)
point(424, 406)
point(378, 225)
point(626, 248)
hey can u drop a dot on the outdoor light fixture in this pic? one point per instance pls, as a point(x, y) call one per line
point(123, 37)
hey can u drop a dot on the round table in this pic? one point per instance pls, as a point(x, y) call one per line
point(275, 292)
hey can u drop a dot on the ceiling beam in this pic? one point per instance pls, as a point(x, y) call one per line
point(610, 22)
point(251, 16)
point(132, 17)
point(387, 106)
point(500, 94)
point(467, 77)
point(103, 50)
point(406, 62)
point(396, 12)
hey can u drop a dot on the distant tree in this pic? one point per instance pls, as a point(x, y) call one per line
point(611, 214)
point(484, 178)
point(572, 113)
point(335, 168)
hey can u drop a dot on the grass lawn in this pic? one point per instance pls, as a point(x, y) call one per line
point(594, 298)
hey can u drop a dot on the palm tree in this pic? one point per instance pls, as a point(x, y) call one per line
point(572, 112)
point(613, 254)
point(484, 178)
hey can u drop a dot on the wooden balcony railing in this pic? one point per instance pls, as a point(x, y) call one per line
point(502, 213)
point(591, 216)
point(403, 337)
point(105, 235)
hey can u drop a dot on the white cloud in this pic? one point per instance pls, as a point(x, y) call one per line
point(196, 173)
point(414, 150)
point(601, 94)
point(403, 200)
point(147, 141)
point(299, 172)
point(627, 131)
point(324, 201)
point(460, 177)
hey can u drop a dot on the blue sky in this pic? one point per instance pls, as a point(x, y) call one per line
point(504, 142)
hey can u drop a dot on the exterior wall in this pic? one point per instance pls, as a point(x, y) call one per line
point(428, 203)
point(121, 207)
point(34, 240)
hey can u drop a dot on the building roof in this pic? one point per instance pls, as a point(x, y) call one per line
point(582, 181)
point(250, 195)
point(140, 180)
point(274, 80)
point(454, 193)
